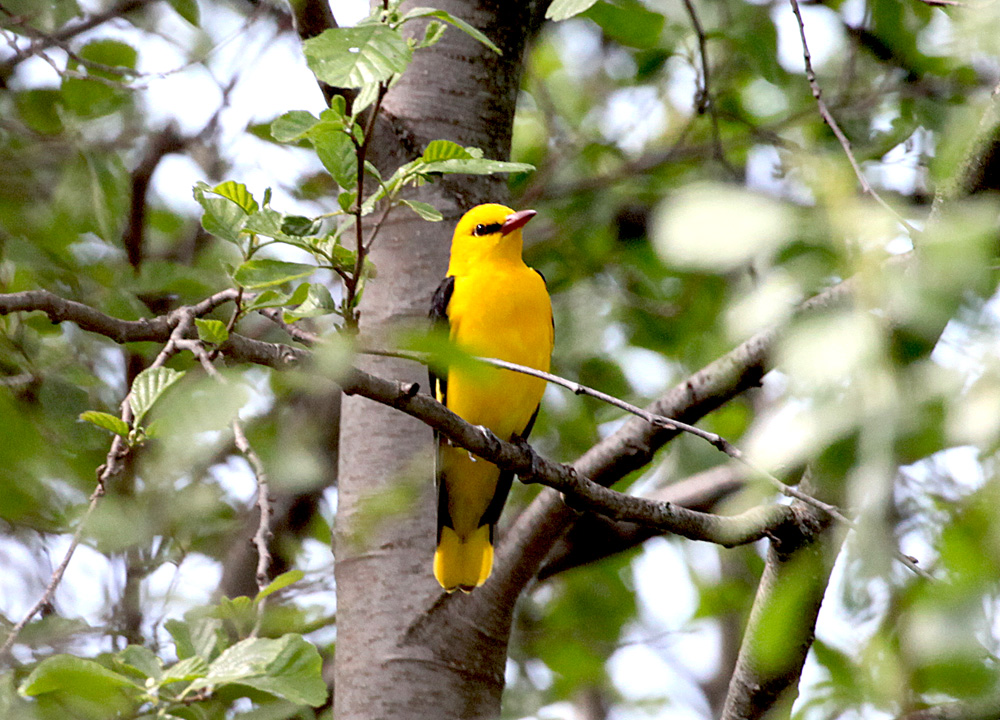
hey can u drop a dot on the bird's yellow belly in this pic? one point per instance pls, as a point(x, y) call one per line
point(508, 318)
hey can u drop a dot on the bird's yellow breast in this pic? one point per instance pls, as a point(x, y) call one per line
point(500, 310)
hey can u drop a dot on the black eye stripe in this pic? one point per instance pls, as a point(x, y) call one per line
point(486, 229)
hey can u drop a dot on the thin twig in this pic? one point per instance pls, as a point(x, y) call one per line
point(296, 333)
point(666, 423)
point(703, 98)
point(351, 286)
point(263, 534)
point(827, 116)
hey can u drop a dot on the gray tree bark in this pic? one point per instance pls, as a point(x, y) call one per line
point(404, 648)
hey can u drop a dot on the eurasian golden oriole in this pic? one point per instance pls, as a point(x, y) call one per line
point(494, 306)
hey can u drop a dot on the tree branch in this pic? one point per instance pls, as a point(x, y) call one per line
point(531, 467)
point(519, 458)
point(796, 574)
point(595, 537)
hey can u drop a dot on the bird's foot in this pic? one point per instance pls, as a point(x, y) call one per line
point(521, 443)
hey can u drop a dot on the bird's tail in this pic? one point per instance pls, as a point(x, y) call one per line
point(463, 564)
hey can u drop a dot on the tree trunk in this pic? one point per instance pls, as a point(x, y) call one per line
point(403, 647)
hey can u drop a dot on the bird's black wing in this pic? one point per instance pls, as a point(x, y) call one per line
point(439, 319)
point(439, 389)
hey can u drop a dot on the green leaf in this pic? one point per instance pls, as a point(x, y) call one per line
point(107, 189)
point(432, 33)
point(564, 9)
point(198, 638)
point(107, 421)
point(274, 298)
point(39, 110)
point(141, 659)
point(354, 57)
point(148, 387)
point(186, 670)
point(454, 21)
point(279, 583)
point(212, 331)
point(238, 193)
point(299, 226)
point(427, 212)
point(265, 273)
point(222, 217)
point(343, 258)
point(474, 166)
point(444, 150)
point(337, 153)
point(92, 98)
point(293, 125)
point(288, 667)
point(187, 9)
point(65, 674)
point(317, 302)
point(338, 105)
point(365, 97)
point(346, 199)
point(628, 22)
point(265, 222)
point(109, 52)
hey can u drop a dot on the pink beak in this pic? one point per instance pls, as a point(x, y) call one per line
point(516, 220)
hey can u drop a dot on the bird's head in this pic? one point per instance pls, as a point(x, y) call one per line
point(488, 231)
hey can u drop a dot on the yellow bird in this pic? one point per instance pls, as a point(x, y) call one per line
point(494, 306)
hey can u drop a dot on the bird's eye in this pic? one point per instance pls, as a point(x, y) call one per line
point(487, 229)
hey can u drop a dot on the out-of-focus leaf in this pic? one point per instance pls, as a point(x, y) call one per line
point(82, 687)
point(718, 228)
point(141, 659)
point(187, 9)
point(628, 22)
point(279, 583)
point(108, 193)
point(39, 110)
point(564, 9)
point(94, 98)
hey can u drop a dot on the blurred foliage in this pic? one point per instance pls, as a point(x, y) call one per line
point(676, 218)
